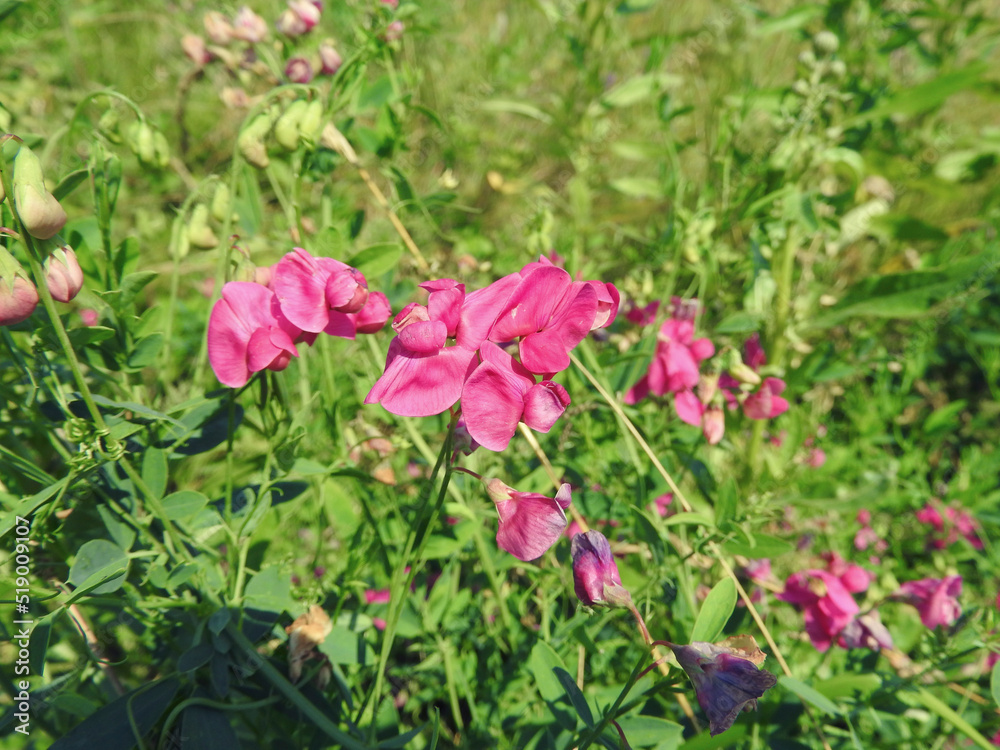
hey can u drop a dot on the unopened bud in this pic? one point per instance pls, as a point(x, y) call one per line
point(330, 59)
point(595, 573)
point(108, 125)
point(63, 275)
point(18, 296)
point(248, 26)
point(311, 123)
point(826, 42)
point(713, 424)
point(217, 27)
point(37, 208)
point(298, 70)
point(251, 140)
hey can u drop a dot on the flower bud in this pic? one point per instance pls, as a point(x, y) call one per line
point(372, 317)
point(248, 26)
point(741, 371)
point(108, 125)
point(291, 24)
point(37, 208)
point(713, 424)
point(307, 11)
point(312, 121)
point(826, 42)
point(330, 59)
point(218, 27)
point(194, 47)
point(18, 296)
point(595, 573)
point(298, 70)
point(63, 275)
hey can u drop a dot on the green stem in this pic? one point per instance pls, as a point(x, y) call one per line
point(609, 716)
point(783, 300)
point(292, 693)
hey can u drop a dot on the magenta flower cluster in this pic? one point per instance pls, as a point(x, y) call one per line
point(698, 397)
point(257, 326)
point(461, 346)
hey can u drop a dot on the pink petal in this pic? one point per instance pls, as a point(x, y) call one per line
point(372, 317)
point(227, 345)
point(547, 351)
point(425, 337)
point(493, 399)
point(480, 310)
point(544, 403)
point(529, 525)
point(532, 305)
point(688, 407)
point(445, 302)
point(299, 282)
point(608, 300)
point(702, 349)
point(341, 325)
point(421, 385)
point(637, 392)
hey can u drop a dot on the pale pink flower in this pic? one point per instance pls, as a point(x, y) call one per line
point(330, 59)
point(298, 70)
point(308, 11)
point(194, 47)
point(218, 28)
point(530, 523)
point(248, 26)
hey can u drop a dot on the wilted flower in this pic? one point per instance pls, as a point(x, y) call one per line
point(865, 631)
point(530, 523)
point(726, 677)
point(595, 573)
point(306, 633)
point(935, 599)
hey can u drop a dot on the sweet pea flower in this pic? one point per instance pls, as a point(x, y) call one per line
point(330, 60)
point(642, 316)
point(291, 24)
point(726, 677)
point(530, 523)
point(865, 631)
point(218, 28)
point(298, 70)
point(317, 294)
point(595, 573)
point(247, 332)
point(935, 599)
point(675, 368)
point(308, 11)
point(550, 314)
point(18, 299)
point(501, 392)
point(423, 374)
point(826, 602)
point(766, 403)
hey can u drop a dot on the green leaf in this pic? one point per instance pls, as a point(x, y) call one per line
point(154, 470)
point(83, 337)
point(69, 183)
point(650, 731)
point(344, 646)
point(695, 519)
point(378, 93)
point(184, 504)
point(631, 91)
point(741, 322)
point(28, 505)
point(848, 685)
point(541, 663)
point(715, 612)
point(810, 695)
point(206, 728)
point(946, 712)
point(764, 545)
point(945, 417)
point(725, 503)
point(925, 96)
point(375, 260)
point(516, 108)
point(132, 284)
point(270, 591)
point(146, 351)
point(194, 657)
point(98, 560)
point(136, 409)
point(576, 697)
point(638, 187)
point(38, 643)
point(798, 17)
point(111, 727)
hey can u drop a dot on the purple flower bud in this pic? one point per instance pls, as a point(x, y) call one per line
point(595, 574)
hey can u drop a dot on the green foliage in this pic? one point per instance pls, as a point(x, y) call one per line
point(823, 178)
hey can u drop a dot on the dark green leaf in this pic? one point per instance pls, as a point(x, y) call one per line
point(194, 657)
point(576, 697)
point(97, 560)
point(145, 352)
point(206, 728)
point(375, 260)
point(270, 591)
point(68, 183)
point(650, 731)
point(154, 471)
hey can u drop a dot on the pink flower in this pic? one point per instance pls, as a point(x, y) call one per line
point(194, 47)
point(218, 28)
point(827, 604)
point(317, 294)
point(935, 599)
point(642, 316)
point(290, 23)
point(306, 10)
point(248, 26)
point(854, 577)
point(759, 571)
point(18, 299)
point(63, 276)
point(865, 631)
point(726, 678)
point(247, 333)
point(530, 523)
point(675, 367)
point(501, 392)
point(713, 425)
point(298, 70)
point(766, 403)
point(377, 596)
point(394, 31)
point(550, 314)
point(330, 59)
point(753, 353)
point(423, 375)
point(663, 503)
point(817, 457)
point(372, 317)
point(88, 316)
point(595, 573)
